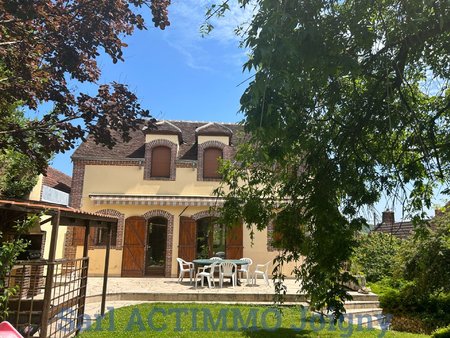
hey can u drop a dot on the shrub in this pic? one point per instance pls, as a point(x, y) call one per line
point(374, 255)
point(408, 324)
point(413, 311)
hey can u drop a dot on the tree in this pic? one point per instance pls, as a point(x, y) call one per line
point(47, 44)
point(350, 99)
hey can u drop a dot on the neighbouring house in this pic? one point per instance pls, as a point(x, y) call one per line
point(52, 189)
point(388, 225)
point(402, 229)
point(160, 187)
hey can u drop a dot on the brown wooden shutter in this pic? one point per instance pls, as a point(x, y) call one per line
point(187, 244)
point(78, 236)
point(211, 163)
point(134, 247)
point(161, 162)
point(234, 247)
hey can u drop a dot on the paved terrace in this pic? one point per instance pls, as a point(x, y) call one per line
point(130, 291)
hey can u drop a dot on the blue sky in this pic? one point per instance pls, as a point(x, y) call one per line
point(176, 73)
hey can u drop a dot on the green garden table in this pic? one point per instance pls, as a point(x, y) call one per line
point(206, 261)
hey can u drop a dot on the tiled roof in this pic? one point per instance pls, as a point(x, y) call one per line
point(136, 148)
point(398, 229)
point(163, 127)
point(57, 180)
point(213, 128)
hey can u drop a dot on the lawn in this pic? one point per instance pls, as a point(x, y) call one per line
point(206, 320)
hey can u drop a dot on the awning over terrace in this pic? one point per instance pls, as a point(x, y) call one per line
point(162, 200)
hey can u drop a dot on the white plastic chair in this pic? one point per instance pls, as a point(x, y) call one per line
point(209, 275)
point(185, 267)
point(228, 269)
point(246, 268)
point(261, 270)
point(202, 268)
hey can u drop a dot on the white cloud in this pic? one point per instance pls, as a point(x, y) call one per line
point(186, 18)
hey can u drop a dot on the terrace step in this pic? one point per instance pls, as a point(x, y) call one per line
point(367, 304)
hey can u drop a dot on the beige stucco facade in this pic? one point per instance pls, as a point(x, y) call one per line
point(128, 180)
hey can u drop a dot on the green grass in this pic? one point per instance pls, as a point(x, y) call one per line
point(209, 320)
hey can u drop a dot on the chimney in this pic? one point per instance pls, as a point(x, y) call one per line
point(388, 217)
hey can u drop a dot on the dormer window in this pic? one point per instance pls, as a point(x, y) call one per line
point(160, 164)
point(214, 144)
point(211, 158)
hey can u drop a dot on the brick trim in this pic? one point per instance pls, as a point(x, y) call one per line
point(120, 228)
point(69, 249)
point(205, 214)
point(170, 221)
point(270, 240)
point(148, 159)
point(76, 191)
point(270, 248)
point(186, 164)
point(226, 155)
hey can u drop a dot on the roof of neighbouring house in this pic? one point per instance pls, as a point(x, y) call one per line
point(135, 148)
point(398, 229)
point(57, 180)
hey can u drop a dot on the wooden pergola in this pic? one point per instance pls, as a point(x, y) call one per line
point(12, 210)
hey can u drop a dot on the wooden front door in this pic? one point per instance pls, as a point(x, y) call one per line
point(134, 247)
point(187, 244)
point(234, 243)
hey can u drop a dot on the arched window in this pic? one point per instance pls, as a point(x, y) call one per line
point(160, 162)
point(211, 158)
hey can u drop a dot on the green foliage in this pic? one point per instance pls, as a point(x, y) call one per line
point(18, 174)
point(18, 171)
point(419, 293)
point(10, 249)
point(406, 301)
point(63, 41)
point(427, 257)
point(387, 285)
point(349, 100)
point(375, 255)
point(443, 332)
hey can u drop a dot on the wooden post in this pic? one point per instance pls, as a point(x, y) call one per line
point(50, 273)
point(105, 274)
point(84, 273)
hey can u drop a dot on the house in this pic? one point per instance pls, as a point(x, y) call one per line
point(402, 229)
point(51, 189)
point(160, 186)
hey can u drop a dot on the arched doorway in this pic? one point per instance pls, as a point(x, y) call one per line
point(156, 246)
